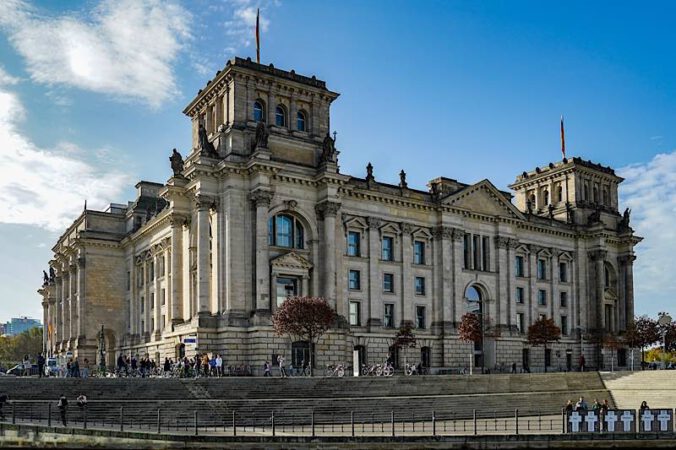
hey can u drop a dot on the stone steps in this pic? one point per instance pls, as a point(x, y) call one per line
point(629, 389)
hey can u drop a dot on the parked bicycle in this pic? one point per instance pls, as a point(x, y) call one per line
point(337, 370)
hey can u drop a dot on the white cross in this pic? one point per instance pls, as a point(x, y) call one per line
point(591, 420)
point(647, 419)
point(663, 419)
point(627, 419)
point(610, 419)
point(575, 419)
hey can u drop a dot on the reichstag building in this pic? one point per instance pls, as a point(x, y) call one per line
point(258, 210)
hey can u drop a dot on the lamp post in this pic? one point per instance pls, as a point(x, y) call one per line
point(581, 331)
point(664, 321)
point(102, 352)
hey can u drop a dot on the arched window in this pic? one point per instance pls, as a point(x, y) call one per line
point(286, 231)
point(606, 197)
point(300, 121)
point(280, 116)
point(596, 194)
point(559, 193)
point(258, 111)
point(473, 294)
point(545, 197)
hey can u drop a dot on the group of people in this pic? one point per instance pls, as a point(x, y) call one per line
point(134, 365)
point(581, 405)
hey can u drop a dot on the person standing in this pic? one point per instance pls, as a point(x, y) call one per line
point(582, 363)
point(513, 367)
point(26, 365)
point(41, 365)
point(282, 366)
point(63, 405)
point(266, 369)
point(85, 368)
point(3, 400)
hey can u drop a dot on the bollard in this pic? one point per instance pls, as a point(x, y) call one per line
point(392, 418)
point(313, 423)
point(474, 420)
point(195, 422)
point(158, 421)
point(272, 419)
point(563, 419)
point(434, 424)
point(234, 427)
point(352, 421)
point(516, 420)
point(121, 418)
point(49, 414)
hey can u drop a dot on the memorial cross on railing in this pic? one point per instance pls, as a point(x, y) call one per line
point(647, 418)
point(610, 419)
point(591, 420)
point(575, 420)
point(663, 418)
point(627, 419)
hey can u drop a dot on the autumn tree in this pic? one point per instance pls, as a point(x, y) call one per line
point(667, 332)
point(305, 318)
point(470, 331)
point(612, 343)
point(542, 332)
point(642, 333)
point(14, 348)
point(404, 337)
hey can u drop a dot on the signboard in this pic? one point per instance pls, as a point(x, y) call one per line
point(659, 420)
point(190, 341)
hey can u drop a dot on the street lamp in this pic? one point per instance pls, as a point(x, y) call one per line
point(102, 352)
point(664, 321)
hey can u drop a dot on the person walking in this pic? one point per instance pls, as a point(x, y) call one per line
point(282, 366)
point(81, 401)
point(3, 400)
point(85, 368)
point(267, 372)
point(63, 405)
point(513, 367)
point(582, 363)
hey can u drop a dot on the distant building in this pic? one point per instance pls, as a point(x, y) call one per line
point(20, 324)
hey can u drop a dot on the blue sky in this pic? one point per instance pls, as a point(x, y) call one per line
point(91, 95)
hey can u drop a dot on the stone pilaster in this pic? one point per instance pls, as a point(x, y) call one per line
point(458, 264)
point(407, 279)
point(443, 297)
point(81, 296)
point(175, 307)
point(327, 211)
point(503, 302)
point(597, 316)
point(203, 204)
point(375, 304)
point(261, 202)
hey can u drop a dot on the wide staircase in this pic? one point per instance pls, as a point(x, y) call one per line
point(300, 400)
point(629, 389)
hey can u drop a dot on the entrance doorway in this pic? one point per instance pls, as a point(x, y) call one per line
point(300, 354)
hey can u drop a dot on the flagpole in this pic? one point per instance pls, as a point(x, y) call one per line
point(258, 36)
point(563, 140)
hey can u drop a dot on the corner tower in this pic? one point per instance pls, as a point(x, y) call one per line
point(249, 105)
point(572, 190)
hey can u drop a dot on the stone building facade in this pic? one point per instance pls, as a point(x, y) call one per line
point(259, 210)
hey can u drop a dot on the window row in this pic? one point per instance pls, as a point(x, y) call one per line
point(541, 296)
point(541, 268)
point(387, 248)
point(150, 274)
point(281, 116)
point(354, 282)
point(388, 315)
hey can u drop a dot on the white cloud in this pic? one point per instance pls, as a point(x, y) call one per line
point(123, 48)
point(649, 190)
point(6, 79)
point(241, 27)
point(47, 187)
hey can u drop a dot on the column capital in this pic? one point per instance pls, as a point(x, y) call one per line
point(598, 255)
point(442, 232)
point(327, 209)
point(261, 197)
point(203, 201)
point(406, 228)
point(177, 220)
point(626, 259)
point(374, 222)
point(502, 242)
point(458, 234)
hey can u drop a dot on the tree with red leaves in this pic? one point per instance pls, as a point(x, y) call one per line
point(542, 332)
point(405, 336)
point(470, 328)
point(641, 333)
point(306, 318)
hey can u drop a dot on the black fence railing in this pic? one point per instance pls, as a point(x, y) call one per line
point(212, 417)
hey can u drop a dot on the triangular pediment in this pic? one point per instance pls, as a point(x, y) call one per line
point(483, 198)
point(291, 260)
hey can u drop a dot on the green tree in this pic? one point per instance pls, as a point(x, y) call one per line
point(542, 332)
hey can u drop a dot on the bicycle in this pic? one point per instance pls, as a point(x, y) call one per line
point(337, 370)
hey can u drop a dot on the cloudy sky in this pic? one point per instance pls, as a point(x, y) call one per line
point(91, 95)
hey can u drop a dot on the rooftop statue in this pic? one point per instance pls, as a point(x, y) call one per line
point(176, 162)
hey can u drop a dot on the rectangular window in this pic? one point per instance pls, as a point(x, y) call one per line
point(420, 316)
point(418, 252)
point(353, 241)
point(162, 296)
point(419, 286)
point(128, 280)
point(564, 299)
point(519, 266)
point(468, 251)
point(563, 272)
point(476, 246)
point(162, 264)
point(485, 254)
point(355, 280)
point(520, 322)
point(151, 271)
point(519, 295)
point(152, 300)
point(163, 323)
point(388, 249)
point(564, 325)
point(143, 326)
point(143, 304)
point(388, 282)
point(354, 313)
point(542, 269)
point(542, 297)
point(388, 319)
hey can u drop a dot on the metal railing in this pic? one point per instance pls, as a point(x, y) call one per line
point(213, 418)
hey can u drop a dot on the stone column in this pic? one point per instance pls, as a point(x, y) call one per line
point(407, 281)
point(327, 211)
point(597, 316)
point(293, 109)
point(272, 105)
point(375, 312)
point(175, 307)
point(443, 296)
point(554, 280)
point(503, 301)
point(58, 309)
point(203, 273)
point(626, 300)
point(511, 284)
point(157, 307)
point(260, 200)
point(532, 285)
point(458, 265)
point(81, 295)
